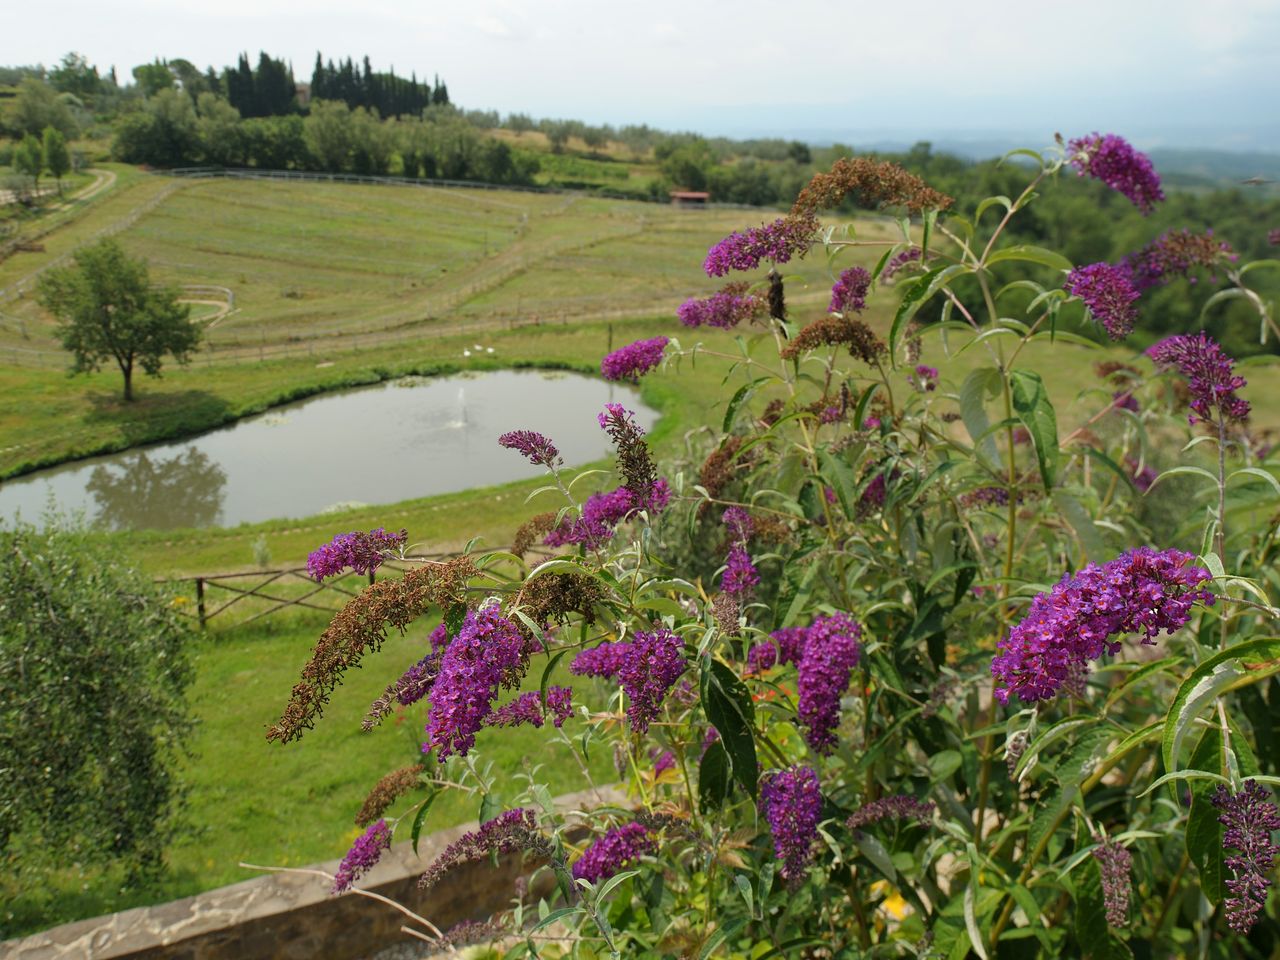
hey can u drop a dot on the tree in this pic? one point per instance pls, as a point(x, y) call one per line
point(222, 139)
point(109, 310)
point(76, 76)
point(330, 135)
point(153, 77)
point(57, 159)
point(93, 671)
point(163, 133)
point(28, 159)
point(37, 106)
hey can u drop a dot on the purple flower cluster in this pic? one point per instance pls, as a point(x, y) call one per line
point(1114, 863)
point(615, 851)
point(646, 667)
point(531, 445)
point(778, 241)
point(740, 575)
point(650, 668)
point(601, 514)
point(1250, 818)
point(850, 291)
point(634, 360)
point(1143, 590)
point(1273, 237)
point(925, 378)
point(791, 801)
point(362, 856)
point(899, 806)
point(831, 651)
point(415, 683)
point(1209, 375)
point(529, 708)
point(829, 415)
point(899, 261)
point(488, 654)
point(604, 660)
point(506, 833)
point(361, 552)
point(1113, 160)
point(1176, 253)
point(1109, 294)
point(663, 760)
point(783, 646)
point(724, 309)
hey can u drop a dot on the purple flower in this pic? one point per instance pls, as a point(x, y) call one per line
point(1125, 400)
point(850, 291)
point(724, 309)
point(985, 497)
point(925, 378)
point(1142, 478)
point(663, 760)
point(792, 803)
point(829, 415)
point(1140, 591)
point(650, 666)
point(506, 833)
point(739, 523)
point(1176, 253)
point(831, 651)
point(1273, 237)
point(1114, 863)
point(529, 708)
point(778, 241)
point(897, 807)
point(740, 574)
point(1113, 160)
point(362, 856)
point(1209, 375)
point(602, 512)
point(1109, 294)
point(783, 646)
point(899, 261)
point(634, 360)
point(415, 683)
point(531, 445)
point(604, 660)
point(488, 654)
point(361, 552)
point(615, 851)
point(1250, 819)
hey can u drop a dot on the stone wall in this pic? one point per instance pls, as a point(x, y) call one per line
point(293, 917)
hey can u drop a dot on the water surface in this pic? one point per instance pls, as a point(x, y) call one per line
point(370, 445)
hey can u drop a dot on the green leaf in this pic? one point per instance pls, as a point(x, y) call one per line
point(713, 777)
point(742, 395)
point(1031, 254)
point(837, 474)
point(990, 202)
point(420, 817)
point(914, 298)
point(1031, 403)
point(1255, 472)
point(553, 916)
point(1175, 471)
point(720, 935)
point(1076, 515)
point(1252, 659)
point(1204, 832)
point(748, 895)
point(728, 706)
point(613, 881)
point(490, 807)
point(977, 386)
point(860, 411)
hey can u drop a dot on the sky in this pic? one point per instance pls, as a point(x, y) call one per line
point(1189, 73)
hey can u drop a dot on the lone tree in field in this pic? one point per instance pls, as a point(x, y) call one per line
point(109, 310)
point(57, 159)
point(28, 159)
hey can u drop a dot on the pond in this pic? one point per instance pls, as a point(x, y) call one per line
point(382, 444)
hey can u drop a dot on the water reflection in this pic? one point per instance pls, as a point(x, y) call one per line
point(146, 491)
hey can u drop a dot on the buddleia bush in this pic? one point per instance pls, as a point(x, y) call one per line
point(891, 663)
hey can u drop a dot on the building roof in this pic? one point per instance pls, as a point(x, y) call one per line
point(689, 195)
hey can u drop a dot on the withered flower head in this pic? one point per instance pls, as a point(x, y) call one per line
point(362, 625)
point(387, 791)
point(872, 183)
point(721, 465)
point(531, 531)
point(832, 330)
point(554, 596)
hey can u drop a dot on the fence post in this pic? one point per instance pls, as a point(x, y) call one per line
point(200, 601)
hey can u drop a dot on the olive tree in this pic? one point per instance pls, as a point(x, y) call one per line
point(109, 310)
point(93, 672)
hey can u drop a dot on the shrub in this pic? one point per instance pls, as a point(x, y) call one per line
point(791, 645)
